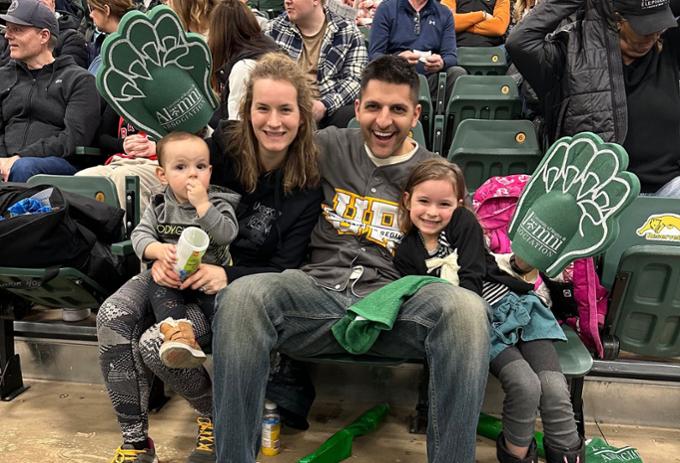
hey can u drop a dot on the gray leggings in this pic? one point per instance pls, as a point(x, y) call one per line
point(533, 381)
point(128, 351)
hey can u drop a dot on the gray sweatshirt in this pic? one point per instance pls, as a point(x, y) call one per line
point(165, 219)
point(358, 230)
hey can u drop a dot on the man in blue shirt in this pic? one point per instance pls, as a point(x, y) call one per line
point(413, 29)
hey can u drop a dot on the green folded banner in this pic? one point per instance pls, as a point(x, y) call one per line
point(570, 207)
point(156, 75)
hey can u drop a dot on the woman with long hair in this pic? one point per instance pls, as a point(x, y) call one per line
point(270, 159)
point(194, 14)
point(106, 15)
point(236, 42)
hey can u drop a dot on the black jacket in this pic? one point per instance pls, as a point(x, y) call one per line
point(476, 263)
point(274, 229)
point(71, 42)
point(577, 70)
point(49, 115)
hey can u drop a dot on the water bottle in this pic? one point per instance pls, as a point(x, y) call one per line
point(271, 429)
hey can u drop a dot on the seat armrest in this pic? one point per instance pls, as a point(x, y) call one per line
point(122, 248)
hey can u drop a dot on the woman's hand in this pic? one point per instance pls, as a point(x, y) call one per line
point(164, 274)
point(209, 279)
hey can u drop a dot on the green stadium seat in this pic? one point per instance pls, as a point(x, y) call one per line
point(486, 148)
point(476, 97)
point(485, 61)
point(642, 268)
point(427, 112)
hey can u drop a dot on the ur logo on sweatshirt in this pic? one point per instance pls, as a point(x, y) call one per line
point(364, 216)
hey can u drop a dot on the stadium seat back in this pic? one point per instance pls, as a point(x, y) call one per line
point(481, 97)
point(483, 61)
point(487, 148)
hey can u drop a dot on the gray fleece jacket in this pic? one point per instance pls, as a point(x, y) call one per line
point(165, 219)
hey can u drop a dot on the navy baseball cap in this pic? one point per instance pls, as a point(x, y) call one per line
point(32, 13)
point(646, 16)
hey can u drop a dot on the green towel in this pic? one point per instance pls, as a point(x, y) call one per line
point(359, 328)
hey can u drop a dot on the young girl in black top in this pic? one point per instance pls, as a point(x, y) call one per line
point(443, 238)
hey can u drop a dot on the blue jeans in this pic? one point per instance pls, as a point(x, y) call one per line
point(25, 168)
point(446, 325)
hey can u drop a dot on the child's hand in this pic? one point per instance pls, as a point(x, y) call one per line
point(164, 252)
point(197, 195)
point(167, 253)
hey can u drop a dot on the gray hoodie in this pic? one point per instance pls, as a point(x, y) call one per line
point(165, 219)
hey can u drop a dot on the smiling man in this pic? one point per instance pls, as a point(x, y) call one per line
point(363, 174)
point(48, 106)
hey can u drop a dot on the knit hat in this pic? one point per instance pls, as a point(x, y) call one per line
point(31, 13)
point(646, 16)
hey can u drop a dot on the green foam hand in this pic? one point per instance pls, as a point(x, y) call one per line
point(156, 75)
point(569, 209)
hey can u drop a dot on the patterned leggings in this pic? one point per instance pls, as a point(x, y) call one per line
point(128, 354)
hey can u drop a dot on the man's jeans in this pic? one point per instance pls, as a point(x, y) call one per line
point(25, 168)
point(444, 324)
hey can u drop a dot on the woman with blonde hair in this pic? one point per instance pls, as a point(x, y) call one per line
point(271, 161)
point(194, 14)
point(236, 42)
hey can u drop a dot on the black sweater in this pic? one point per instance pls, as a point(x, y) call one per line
point(274, 228)
point(476, 262)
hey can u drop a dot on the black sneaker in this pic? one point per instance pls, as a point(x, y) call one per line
point(205, 442)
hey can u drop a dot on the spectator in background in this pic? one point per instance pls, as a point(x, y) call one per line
point(331, 52)
point(48, 105)
point(616, 74)
point(409, 28)
point(194, 14)
point(480, 23)
point(69, 41)
point(236, 43)
point(106, 15)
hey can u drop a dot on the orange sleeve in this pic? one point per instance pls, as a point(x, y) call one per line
point(496, 26)
point(463, 21)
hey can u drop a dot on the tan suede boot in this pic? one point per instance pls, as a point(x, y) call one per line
point(179, 348)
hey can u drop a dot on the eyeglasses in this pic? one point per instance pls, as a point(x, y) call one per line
point(416, 23)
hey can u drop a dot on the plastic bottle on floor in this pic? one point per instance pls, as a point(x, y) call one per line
point(271, 430)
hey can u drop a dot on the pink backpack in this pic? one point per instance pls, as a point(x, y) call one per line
point(494, 202)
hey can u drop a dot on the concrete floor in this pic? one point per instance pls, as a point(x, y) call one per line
point(69, 422)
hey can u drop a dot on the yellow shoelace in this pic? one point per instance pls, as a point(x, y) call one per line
point(123, 455)
point(206, 439)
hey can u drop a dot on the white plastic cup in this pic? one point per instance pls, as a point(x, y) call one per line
point(190, 249)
